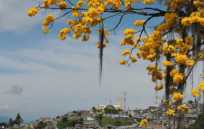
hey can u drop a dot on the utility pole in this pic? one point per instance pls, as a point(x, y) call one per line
point(124, 100)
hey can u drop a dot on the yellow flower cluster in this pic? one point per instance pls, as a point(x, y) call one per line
point(63, 33)
point(143, 123)
point(126, 52)
point(201, 86)
point(183, 108)
point(159, 87)
point(170, 112)
point(167, 63)
point(168, 48)
point(178, 49)
point(151, 44)
point(47, 3)
point(184, 60)
point(129, 3)
point(123, 62)
point(177, 96)
point(62, 4)
point(149, 1)
point(32, 11)
point(156, 73)
point(139, 22)
point(195, 17)
point(198, 3)
point(47, 21)
point(115, 3)
point(177, 77)
point(169, 22)
point(129, 33)
point(175, 4)
point(129, 40)
point(98, 45)
point(129, 37)
point(195, 92)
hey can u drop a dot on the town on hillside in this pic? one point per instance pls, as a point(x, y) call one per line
point(106, 117)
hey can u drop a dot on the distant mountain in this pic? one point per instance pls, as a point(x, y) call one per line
point(4, 119)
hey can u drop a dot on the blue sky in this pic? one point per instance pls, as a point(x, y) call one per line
point(42, 76)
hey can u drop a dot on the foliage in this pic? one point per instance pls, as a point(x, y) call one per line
point(19, 119)
point(99, 118)
point(41, 125)
point(68, 122)
point(94, 109)
point(199, 124)
point(110, 109)
point(173, 47)
point(105, 121)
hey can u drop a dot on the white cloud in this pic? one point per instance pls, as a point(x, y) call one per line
point(64, 77)
point(13, 15)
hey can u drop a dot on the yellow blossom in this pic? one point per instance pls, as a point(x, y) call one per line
point(177, 96)
point(133, 59)
point(181, 59)
point(32, 11)
point(149, 1)
point(75, 13)
point(123, 62)
point(158, 87)
point(167, 63)
point(143, 123)
point(183, 108)
point(62, 4)
point(129, 32)
point(201, 86)
point(45, 29)
point(168, 49)
point(98, 45)
point(186, 21)
point(49, 19)
point(173, 72)
point(170, 17)
point(189, 62)
point(117, 3)
point(178, 78)
point(139, 22)
point(63, 33)
point(195, 92)
point(47, 3)
point(101, 8)
point(170, 112)
point(189, 40)
point(126, 52)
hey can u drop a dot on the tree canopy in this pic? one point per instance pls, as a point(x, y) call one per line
point(173, 47)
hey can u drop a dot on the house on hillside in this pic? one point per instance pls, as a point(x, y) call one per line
point(3, 125)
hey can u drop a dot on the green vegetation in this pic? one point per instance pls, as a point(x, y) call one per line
point(115, 121)
point(19, 119)
point(41, 125)
point(110, 109)
point(69, 122)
